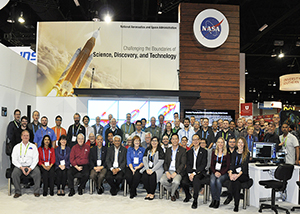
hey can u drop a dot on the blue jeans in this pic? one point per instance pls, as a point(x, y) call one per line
point(216, 185)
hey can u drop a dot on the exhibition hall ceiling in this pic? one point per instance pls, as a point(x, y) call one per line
point(267, 28)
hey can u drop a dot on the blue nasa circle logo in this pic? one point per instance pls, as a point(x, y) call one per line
point(210, 28)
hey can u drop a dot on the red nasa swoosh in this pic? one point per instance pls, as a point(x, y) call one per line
point(215, 26)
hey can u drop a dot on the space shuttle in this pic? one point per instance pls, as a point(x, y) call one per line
point(75, 70)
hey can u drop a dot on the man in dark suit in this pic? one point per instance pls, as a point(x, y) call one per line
point(195, 168)
point(98, 128)
point(98, 164)
point(174, 167)
point(116, 163)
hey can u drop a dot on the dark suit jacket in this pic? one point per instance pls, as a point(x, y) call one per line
point(201, 161)
point(110, 157)
point(180, 160)
point(94, 156)
point(100, 130)
point(210, 137)
point(16, 138)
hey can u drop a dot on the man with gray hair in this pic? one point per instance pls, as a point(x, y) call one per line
point(154, 129)
point(114, 129)
point(98, 128)
point(35, 124)
point(110, 116)
point(147, 141)
point(127, 128)
point(116, 163)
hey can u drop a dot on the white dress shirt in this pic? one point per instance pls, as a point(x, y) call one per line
point(189, 134)
point(140, 134)
point(25, 155)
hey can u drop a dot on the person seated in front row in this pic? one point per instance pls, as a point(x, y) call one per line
point(135, 155)
point(238, 172)
point(98, 164)
point(92, 140)
point(184, 141)
point(116, 163)
point(195, 167)
point(153, 167)
point(220, 162)
point(25, 158)
point(62, 164)
point(46, 162)
point(79, 159)
point(174, 167)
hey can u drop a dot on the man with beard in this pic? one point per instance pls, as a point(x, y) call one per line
point(13, 125)
point(114, 129)
point(44, 130)
point(16, 138)
point(271, 136)
point(205, 132)
point(74, 130)
point(225, 133)
point(187, 131)
point(154, 129)
point(88, 129)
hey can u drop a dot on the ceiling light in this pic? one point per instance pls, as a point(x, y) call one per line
point(298, 43)
point(107, 18)
point(21, 18)
point(76, 3)
point(160, 9)
point(159, 12)
point(263, 27)
point(273, 55)
point(246, 72)
point(295, 92)
point(274, 84)
point(254, 90)
point(281, 55)
point(10, 19)
point(96, 17)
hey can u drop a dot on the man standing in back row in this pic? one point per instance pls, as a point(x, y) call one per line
point(74, 130)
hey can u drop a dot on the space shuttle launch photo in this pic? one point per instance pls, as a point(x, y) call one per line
point(74, 72)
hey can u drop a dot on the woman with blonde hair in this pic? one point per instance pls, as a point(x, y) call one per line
point(220, 162)
point(239, 171)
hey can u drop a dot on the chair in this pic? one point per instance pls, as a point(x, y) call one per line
point(293, 208)
point(282, 173)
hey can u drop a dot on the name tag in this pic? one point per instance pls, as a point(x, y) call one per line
point(99, 162)
point(73, 138)
point(57, 143)
point(126, 136)
point(46, 163)
point(62, 162)
point(218, 166)
point(116, 165)
point(238, 169)
point(150, 164)
point(135, 160)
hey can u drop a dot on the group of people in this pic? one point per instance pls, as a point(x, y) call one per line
point(178, 154)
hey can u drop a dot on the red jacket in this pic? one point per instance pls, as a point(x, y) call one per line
point(80, 155)
point(46, 151)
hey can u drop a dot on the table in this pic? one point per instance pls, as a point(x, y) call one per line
point(258, 192)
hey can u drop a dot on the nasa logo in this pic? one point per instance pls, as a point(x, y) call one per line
point(211, 28)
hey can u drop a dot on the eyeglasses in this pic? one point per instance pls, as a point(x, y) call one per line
point(58, 120)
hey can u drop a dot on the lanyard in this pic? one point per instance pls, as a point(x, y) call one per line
point(34, 129)
point(46, 132)
point(76, 131)
point(137, 151)
point(225, 135)
point(139, 134)
point(100, 153)
point(237, 159)
point(205, 133)
point(284, 139)
point(25, 150)
point(221, 158)
point(16, 124)
point(128, 129)
point(56, 131)
point(65, 151)
point(48, 154)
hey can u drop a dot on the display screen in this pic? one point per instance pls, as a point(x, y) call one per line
point(138, 108)
point(264, 150)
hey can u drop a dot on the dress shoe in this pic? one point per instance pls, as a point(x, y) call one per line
point(224, 194)
point(80, 191)
point(45, 193)
point(37, 194)
point(72, 192)
point(187, 199)
point(132, 195)
point(101, 190)
point(195, 204)
point(212, 204)
point(52, 193)
point(147, 198)
point(236, 208)
point(217, 204)
point(17, 195)
point(176, 194)
point(173, 198)
point(63, 193)
point(228, 200)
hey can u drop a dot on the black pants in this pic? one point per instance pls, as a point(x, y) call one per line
point(235, 188)
point(149, 182)
point(83, 175)
point(133, 179)
point(114, 180)
point(61, 178)
point(48, 179)
point(186, 183)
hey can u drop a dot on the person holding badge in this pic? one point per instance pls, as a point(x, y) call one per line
point(239, 171)
point(135, 163)
point(62, 164)
point(153, 169)
point(46, 161)
point(98, 164)
point(220, 162)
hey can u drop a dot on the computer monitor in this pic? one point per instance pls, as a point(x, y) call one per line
point(264, 151)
